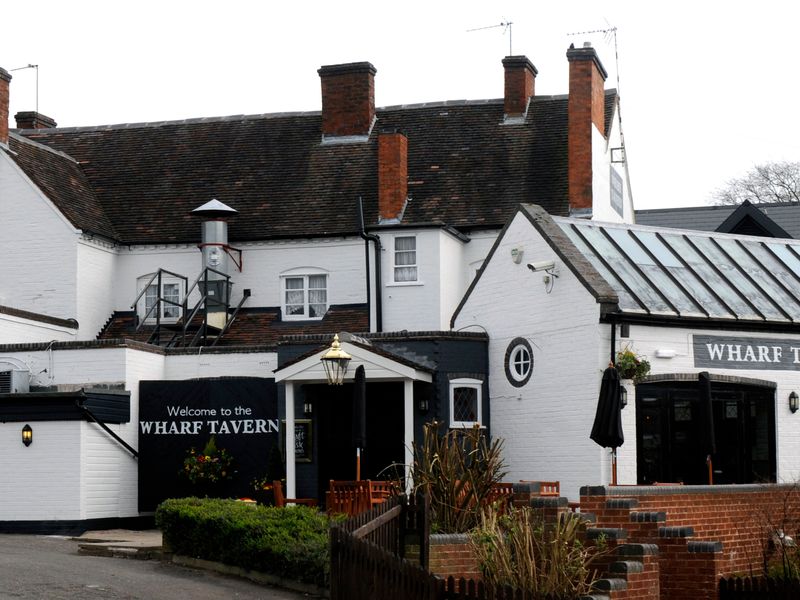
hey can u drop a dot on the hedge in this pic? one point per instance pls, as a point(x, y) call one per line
point(287, 542)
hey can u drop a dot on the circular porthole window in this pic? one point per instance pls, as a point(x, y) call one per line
point(519, 362)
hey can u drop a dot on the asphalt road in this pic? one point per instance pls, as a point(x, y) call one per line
point(50, 568)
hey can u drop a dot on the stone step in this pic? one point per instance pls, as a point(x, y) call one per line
point(675, 532)
point(625, 567)
point(648, 517)
point(622, 503)
point(611, 584)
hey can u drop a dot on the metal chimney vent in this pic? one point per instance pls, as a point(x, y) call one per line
point(14, 382)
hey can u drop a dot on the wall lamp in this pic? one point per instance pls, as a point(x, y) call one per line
point(335, 361)
point(423, 405)
point(27, 435)
point(794, 402)
point(623, 396)
point(308, 408)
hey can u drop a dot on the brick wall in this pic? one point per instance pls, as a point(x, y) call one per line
point(392, 174)
point(520, 75)
point(5, 79)
point(703, 532)
point(451, 556)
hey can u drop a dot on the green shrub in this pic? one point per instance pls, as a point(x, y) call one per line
point(459, 469)
point(287, 542)
point(548, 560)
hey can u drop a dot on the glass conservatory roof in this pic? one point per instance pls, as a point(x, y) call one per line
point(681, 273)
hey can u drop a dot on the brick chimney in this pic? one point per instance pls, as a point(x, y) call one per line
point(392, 176)
point(520, 75)
point(585, 109)
point(348, 99)
point(33, 120)
point(5, 79)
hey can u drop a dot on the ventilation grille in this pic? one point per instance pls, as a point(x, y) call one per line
point(14, 382)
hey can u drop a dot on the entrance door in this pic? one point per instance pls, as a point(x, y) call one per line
point(673, 437)
point(333, 414)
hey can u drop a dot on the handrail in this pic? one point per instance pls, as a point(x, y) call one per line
point(230, 320)
point(149, 283)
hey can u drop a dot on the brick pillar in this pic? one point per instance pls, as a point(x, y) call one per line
point(392, 175)
point(348, 99)
point(520, 75)
point(5, 80)
point(33, 120)
point(585, 109)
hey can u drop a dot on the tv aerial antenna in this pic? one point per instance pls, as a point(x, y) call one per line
point(506, 27)
point(36, 68)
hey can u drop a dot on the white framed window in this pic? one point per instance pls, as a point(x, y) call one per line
point(465, 402)
point(169, 309)
point(519, 362)
point(305, 296)
point(405, 259)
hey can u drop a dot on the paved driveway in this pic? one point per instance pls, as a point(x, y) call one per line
point(50, 568)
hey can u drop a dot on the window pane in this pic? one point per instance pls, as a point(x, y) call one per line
point(172, 294)
point(150, 297)
point(294, 283)
point(521, 362)
point(465, 404)
point(405, 243)
point(317, 310)
point(405, 274)
point(316, 282)
point(294, 309)
point(295, 297)
point(405, 258)
point(317, 296)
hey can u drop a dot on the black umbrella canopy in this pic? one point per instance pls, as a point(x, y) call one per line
point(607, 428)
point(360, 408)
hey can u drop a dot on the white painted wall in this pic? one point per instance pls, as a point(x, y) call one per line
point(17, 330)
point(38, 246)
point(452, 277)
point(41, 481)
point(96, 264)
point(601, 184)
point(546, 423)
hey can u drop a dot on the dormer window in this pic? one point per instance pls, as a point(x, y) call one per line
point(305, 296)
point(405, 258)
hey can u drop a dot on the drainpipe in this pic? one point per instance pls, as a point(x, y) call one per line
point(613, 341)
point(371, 237)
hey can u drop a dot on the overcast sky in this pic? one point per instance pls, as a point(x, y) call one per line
point(708, 88)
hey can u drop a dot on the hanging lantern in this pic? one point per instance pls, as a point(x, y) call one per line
point(335, 362)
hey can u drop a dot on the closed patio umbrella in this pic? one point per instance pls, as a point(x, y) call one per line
point(359, 415)
point(607, 428)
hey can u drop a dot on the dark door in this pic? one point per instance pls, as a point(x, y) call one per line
point(672, 438)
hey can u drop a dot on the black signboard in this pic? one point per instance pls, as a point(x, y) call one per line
point(176, 416)
point(303, 440)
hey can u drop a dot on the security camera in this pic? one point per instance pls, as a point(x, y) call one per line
point(541, 266)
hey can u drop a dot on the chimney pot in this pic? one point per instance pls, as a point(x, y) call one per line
point(5, 79)
point(348, 99)
point(520, 75)
point(34, 120)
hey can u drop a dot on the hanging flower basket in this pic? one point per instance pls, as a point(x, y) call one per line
point(632, 366)
point(209, 467)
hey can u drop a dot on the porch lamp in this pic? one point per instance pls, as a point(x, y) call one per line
point(794, 402)
point(623, 396)
point(335, 362)
point(27, 435)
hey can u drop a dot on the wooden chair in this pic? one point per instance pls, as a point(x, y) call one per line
point(281, 500)
point(381, 491)
point(348, 497)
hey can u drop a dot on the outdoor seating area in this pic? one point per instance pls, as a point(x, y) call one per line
point(354, 497)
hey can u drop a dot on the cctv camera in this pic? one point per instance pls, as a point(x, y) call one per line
point(541, 266)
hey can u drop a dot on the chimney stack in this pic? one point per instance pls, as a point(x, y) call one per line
point(520, 75)
point(392, 176)
point(5, 79)
point(348, 99)
point(585, 108)
point(33, 120)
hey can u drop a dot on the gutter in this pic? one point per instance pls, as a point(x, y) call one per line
point(370, 237)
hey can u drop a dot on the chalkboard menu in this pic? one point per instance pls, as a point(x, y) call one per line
point(303, 448)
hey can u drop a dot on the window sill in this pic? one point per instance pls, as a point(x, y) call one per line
point(404, 283)
point(301, 318)
point(466, 425)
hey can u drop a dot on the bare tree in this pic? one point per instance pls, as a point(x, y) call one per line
point(768, 182)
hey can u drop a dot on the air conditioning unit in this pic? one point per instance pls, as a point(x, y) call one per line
point(14, 382)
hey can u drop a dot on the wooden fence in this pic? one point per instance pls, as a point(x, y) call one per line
point(758, 588)
point(367, 563)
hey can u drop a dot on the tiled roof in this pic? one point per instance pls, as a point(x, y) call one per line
point(64, 182)
point(709, 218)
point(137, 183)
point(253, 327)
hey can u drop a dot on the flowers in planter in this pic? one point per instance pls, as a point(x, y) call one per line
point(212, 465)
point(631, 366)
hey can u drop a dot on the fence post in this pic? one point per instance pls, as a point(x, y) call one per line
point(424, 528)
